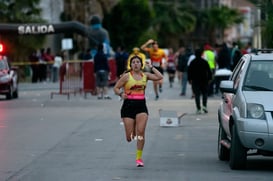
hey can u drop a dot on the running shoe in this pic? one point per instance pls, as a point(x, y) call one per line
point(198, 111)
point(156, 97)
point(139, 163)
point(205, 109)
point(107, 97)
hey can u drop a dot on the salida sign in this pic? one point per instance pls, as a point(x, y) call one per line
point(35, 29)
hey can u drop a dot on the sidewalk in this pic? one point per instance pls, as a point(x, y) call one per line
point(167, 93)
point(39, 86)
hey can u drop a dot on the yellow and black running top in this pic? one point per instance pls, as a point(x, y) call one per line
point(135, 89)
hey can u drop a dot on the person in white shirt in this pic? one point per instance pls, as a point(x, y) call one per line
point(58, 60)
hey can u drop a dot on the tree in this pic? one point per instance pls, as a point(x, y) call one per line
point(173, 19)
point(266, 7)
point(219, 18)
point(128, 21)
point(20, 11)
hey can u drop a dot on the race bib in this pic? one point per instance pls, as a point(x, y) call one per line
point(171, 64)
point(156, 64)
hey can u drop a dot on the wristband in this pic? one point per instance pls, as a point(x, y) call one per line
point(120, 94)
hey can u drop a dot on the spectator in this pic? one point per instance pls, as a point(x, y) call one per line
point(34, 59)
point(237, 56)
point(87, 55)
point(183, 59)
point(101, 70)
point(223, 57)
point(42, 66)
point(121, 57)
point(58, 59)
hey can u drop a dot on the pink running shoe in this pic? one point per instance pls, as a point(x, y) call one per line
point(139, 163)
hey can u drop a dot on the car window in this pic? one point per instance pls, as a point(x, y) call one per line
point(259, 76)
point(3, 65)
point(236, 76)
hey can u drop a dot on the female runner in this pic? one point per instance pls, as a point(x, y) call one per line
point(134, 112)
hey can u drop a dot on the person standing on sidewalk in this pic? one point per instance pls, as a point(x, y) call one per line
point(199, 76)
point(101, 70)
point(134, 112)
point(58, 60)
point(121, 57)
point(182, 67)
point(156, 55)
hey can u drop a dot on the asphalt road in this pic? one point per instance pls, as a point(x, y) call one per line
point(44, 139)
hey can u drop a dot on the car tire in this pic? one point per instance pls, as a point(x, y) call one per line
point(9, 94)
point(238, 154)
point(223, 152)
point(15, 94)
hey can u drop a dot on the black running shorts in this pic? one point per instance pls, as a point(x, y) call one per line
point(130, 108)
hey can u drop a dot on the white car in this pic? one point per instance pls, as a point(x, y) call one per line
point(245, 114)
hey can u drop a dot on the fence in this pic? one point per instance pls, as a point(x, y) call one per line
point(75, 76)
point(78, 77)
point(70, 79)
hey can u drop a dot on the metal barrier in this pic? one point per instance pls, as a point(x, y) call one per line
point(70, 79)
point(78, 76)
point(75, 76)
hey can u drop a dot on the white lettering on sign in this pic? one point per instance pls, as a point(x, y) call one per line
point(35, 29)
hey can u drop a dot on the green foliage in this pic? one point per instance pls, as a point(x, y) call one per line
point(219, 18)
point(20, 11)
point(173, 18)
point(149, 34)
point(128, 22)
point(267, 23)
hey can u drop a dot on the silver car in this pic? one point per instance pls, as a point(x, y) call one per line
point(245, 114)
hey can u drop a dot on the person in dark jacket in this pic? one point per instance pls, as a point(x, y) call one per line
point(121, 57)
point(223, 58)
point(199, 76)
point(101, 70)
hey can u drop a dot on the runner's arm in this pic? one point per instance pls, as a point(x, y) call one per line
point(156, 76)
point(120, 83)
point(144, 47)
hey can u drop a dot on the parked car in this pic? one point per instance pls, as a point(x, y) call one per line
point(245, 114)
point(8, 79)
